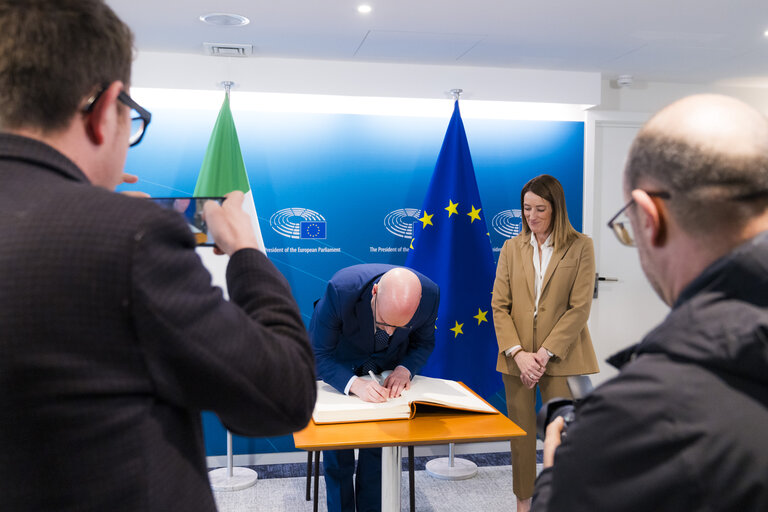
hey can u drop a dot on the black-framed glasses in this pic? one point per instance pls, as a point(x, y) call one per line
point(383, 324)
point(620, 224)
point(140, 117)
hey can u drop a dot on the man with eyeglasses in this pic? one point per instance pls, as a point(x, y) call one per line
point(112, 339)
point(683, 425)
point(372, 318)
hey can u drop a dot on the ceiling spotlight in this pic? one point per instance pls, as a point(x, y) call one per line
point(364, 9)
point(222, 19)
point(765, 33)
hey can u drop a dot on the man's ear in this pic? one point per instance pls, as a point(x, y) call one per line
point(652, 215)
point(103, 113)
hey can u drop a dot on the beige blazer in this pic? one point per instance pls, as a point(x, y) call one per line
point(566, 297)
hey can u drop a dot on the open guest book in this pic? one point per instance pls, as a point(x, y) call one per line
point(426, 392)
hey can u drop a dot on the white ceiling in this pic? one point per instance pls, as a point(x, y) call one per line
point(689, 41)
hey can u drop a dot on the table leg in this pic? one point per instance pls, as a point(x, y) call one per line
point(411, 480)
point(391, 467)
point(317, 480)
point(309, 474)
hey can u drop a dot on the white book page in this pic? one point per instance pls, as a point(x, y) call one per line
point(333, 406)
point(444, 392)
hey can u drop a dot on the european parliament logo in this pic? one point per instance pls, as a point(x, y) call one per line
point(508, 223)
point(400, 222)
point(298, 223)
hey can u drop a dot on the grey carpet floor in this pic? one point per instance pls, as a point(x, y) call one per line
point(490, 490)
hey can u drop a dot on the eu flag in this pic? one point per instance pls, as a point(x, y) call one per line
point(312, 229)
point(452, 247)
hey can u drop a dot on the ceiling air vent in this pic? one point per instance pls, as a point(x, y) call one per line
point(228, 49)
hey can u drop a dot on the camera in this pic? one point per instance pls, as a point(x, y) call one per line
point(580, 386)
point(192, 209)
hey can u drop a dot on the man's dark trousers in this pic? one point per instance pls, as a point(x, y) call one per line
point(339, 466)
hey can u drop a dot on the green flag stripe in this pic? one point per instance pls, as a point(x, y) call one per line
point(223, 169)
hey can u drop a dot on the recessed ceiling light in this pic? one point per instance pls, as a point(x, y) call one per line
point(223, 19)
point(765, 33)
point(364, 9)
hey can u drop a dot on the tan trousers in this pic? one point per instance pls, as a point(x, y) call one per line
point(521, 404)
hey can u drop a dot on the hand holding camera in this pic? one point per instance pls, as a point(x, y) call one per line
point(230, 225)
point(552, 440)
point(557, 414)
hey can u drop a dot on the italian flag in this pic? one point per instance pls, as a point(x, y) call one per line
point(223, 169)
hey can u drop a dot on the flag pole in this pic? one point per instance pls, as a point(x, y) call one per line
point(231, 478)
point(227, 86)
point(451, 468)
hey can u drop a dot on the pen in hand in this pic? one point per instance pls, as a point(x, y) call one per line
point(373, 377)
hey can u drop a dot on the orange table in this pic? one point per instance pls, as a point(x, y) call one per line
point(434, 427)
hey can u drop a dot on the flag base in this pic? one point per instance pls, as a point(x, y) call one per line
point(241, 478)
point(460, 469)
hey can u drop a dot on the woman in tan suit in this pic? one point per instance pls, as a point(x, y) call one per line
point(541, 300)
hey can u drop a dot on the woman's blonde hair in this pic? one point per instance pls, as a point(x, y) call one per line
point(548, 188)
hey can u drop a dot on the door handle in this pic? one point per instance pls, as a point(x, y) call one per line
point(599, 278)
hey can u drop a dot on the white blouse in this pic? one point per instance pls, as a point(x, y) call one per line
point(540, 268)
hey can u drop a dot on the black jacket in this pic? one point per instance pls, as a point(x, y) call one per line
point(112, 340)
point(684, 426)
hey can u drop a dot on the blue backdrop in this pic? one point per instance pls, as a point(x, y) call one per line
point(333, 190)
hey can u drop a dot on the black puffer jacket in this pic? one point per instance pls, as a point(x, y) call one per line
point(684, 426)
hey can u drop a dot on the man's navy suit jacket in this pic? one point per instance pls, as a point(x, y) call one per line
point(341, 329)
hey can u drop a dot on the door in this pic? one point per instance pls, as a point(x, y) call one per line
point(625, 310)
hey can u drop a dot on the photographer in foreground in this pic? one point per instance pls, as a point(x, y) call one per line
point(683, 426)
point(112, 339)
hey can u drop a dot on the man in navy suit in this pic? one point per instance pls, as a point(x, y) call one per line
point(373, 317)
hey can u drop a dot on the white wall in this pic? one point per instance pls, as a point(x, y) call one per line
point(185, 71)
point(651, 96)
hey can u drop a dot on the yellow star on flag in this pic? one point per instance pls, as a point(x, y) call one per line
point(457, 329)
point(474, 214)
point(480, 316)
point(412, 243)
point(452, 208)
point(426, 219)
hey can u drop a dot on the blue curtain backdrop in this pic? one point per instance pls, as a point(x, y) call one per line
point(334, 190)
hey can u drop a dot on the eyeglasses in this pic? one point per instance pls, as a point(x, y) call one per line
point(382, 324)
point(140, 117)
point(620, 224)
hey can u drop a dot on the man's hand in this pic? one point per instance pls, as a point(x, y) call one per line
point(530, 369)
point(552, 440)
point(368, 390)
point(132, 178)
point(398, 380)
point(229, 225)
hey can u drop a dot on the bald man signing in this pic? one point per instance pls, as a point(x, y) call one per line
point(683, 426)
point(372, 317)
